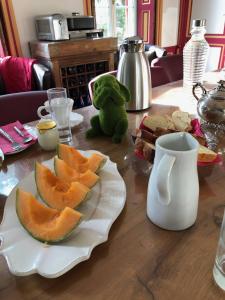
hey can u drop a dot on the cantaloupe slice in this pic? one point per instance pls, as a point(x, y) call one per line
point(79, 162)
point(68, 174)
point(57, 193)
point(43, 223)
point(205, 154)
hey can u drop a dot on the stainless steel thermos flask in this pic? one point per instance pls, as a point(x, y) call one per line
point(134, 73)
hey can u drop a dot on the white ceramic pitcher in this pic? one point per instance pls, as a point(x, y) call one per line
point(173, 189)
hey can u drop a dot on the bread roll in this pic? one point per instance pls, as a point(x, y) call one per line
point(181, 120)
point(170, 123)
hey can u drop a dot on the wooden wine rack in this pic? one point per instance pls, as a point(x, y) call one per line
point(75, 62)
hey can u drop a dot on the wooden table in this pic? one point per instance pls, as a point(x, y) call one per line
point(139, 260)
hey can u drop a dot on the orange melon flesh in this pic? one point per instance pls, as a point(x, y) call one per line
point(71, 154)
point(68, 174)
point(79, 162)
point(96, 162)
point(57, 193)
point(43, 223)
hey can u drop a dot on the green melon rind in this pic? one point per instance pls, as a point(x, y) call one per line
point(94, 183)
point(39, 238)
point(103, 162)
point(55, 167)
point(58, 151)
point(39, 193)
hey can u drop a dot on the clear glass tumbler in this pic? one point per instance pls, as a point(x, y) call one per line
point(219, 266)
point(60, 108)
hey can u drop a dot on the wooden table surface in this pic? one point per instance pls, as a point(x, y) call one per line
point(139, 260)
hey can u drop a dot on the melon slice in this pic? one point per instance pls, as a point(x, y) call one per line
point(205, 154)
point(43, 223)
point(57, 193)
point(79, 162)
point(68, 174)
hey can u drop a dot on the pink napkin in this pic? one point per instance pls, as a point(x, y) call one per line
point(5, 145)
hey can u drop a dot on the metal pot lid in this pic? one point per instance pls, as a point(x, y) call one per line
point(133, 44)
point(133, 40)
point(218, 93)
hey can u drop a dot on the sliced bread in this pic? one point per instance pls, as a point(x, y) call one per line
point(181, 120)
point(153, 122)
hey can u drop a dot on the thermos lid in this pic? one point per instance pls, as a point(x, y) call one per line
point(133, 44)
point(199, 23)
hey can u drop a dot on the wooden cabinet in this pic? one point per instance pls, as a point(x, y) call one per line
point(75, 62)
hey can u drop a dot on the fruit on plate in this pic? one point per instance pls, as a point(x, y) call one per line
point(57, 193)
point(45, 224)
point(68, 174)
point(78, 161)
point(205, 154)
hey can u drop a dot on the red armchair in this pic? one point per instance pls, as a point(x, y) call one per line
point(172, 66)
point(20, 74)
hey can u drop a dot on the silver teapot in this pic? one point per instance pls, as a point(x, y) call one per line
point(211, 105)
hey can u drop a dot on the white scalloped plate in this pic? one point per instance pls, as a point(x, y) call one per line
point(25, 255)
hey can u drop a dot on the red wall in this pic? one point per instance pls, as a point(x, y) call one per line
point(146, 20)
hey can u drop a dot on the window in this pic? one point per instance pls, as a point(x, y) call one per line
point(117, 17)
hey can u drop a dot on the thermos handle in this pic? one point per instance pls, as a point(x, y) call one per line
point(204, 92)
point(163, 178)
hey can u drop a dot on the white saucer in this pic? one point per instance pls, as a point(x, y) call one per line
point(75, 119)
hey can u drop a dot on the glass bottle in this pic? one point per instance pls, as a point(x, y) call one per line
point(195, 54)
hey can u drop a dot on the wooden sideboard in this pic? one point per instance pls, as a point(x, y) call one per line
point(75, 62)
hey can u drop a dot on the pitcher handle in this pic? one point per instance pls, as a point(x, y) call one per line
point(204, 92)
point(40, 108)
point(163, 177)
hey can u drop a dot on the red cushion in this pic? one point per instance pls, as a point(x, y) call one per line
point(21, 106)
point(172, 64)
point(159, 77)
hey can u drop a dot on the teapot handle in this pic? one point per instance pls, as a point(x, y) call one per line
point(163, 178)
point(204, 92)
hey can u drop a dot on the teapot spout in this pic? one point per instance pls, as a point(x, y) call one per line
point(204, 92)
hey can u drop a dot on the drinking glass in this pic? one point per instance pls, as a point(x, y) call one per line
point(60, 108)
point(219, 265)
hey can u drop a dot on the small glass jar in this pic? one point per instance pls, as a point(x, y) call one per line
point(48, 136)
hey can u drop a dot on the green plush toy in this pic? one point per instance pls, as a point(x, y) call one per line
point(110, 97)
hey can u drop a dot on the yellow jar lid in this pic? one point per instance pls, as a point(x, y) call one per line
point(45, 125)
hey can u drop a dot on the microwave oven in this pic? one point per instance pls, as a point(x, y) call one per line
point(57, 27)
point(52, 27)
